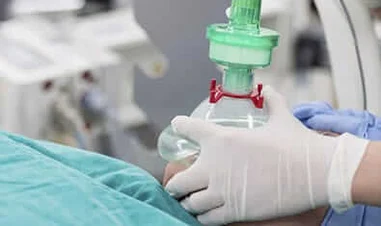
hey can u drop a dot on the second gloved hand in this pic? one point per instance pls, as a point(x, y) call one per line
point(277, 170)
point(321, 116)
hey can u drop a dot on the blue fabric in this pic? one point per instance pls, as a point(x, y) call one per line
point(321, 116)
point(48, 184)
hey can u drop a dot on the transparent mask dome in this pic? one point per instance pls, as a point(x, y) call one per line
point(227, 111)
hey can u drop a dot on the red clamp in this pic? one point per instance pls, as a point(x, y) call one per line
point(216, 93)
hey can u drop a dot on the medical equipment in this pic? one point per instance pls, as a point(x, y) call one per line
point(30, 77)
point(98, 99)
point(88, 40)
point(358, 65)
point(99, 58)
point(354, 54)
point(54, 23)
point(239, 47)
point(53, 35)
point(293, 19)
point(119, 31)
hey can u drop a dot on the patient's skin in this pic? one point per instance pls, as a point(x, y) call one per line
point(312, 218)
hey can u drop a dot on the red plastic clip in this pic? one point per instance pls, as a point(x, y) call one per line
point(216, 93)
point(258, 99)
point(213, 91)
point(260, 88)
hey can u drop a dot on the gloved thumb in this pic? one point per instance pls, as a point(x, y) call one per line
point(275, 101)
point(193, 129)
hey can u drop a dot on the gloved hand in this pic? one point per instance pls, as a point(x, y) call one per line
point(312, 218)
point(321, 116)
point(276, 170)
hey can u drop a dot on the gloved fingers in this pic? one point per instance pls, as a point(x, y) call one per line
point(357, 114)
point(189, 181)
point(335, 123)
point(306, 111)
point(194, 129)
point(213, 217)
point(275, 101)
point(203, 201)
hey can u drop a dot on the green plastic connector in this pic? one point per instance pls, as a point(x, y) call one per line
point(246, 13)
point(238, 81)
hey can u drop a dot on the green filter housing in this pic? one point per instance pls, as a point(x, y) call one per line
point(242, 42)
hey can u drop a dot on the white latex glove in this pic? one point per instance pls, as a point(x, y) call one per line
point(276, 170)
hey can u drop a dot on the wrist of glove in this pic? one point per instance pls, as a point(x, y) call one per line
point(276, 170)
point(346, 159)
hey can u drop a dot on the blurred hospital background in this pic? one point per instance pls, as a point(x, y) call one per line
point(109, 75)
